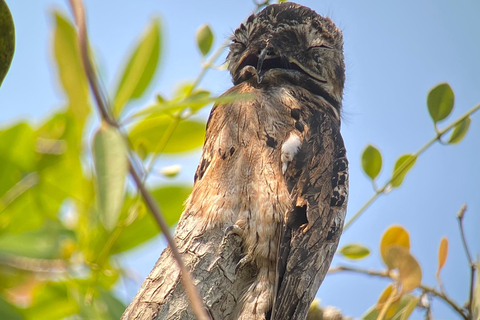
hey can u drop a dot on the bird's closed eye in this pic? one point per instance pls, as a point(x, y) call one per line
point(236, 41)
point(321, 46)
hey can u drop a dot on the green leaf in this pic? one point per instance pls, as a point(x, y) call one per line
point(111, 166)
point(70, 67)
point(400, 308)
point(144, 227)
point(204, 38)
point(52, 301)
point(402, 166)
point(113, 306)
point(7, 311)
point(148, 135)
point(460, 131)
point(43, 243)
point(354, 251)
point(140, 68)
point(371, 161)
point(7, 39)
point(409, 307)
point(440, 102)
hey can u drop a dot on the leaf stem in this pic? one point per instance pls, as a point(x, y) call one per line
point(386, 274)
point(407, 163)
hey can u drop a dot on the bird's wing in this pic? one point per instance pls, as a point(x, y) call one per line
point(317, 179)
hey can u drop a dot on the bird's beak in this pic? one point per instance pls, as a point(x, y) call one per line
point(261, 58)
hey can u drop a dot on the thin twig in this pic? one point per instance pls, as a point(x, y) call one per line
point(187, 280)
point(386, 274)
point(460, 216)
point(407, 163)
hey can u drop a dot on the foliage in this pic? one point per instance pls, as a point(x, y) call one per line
point(65, 215)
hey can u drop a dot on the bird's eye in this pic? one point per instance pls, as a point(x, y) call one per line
point(321, 45)
point(235, 41)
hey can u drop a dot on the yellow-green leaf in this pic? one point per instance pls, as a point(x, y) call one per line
point(460, 131)
point(7, 39)
point(442, 254)
point(440, 102)
point(204, 38)
point(410, 272)
point(111, 166)
point(408, 309)
point(354, 251)
point(371, 161)
point(402, 166)
point(389, 294)
point(140, 68)
point(150, 135)
point(400, 308)
point(70, 67)
point(395, 235)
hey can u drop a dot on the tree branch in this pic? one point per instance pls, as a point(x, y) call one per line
point(388, 275)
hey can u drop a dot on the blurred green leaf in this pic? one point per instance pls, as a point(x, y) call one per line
point(140, 68)
point(171, 200)
point(371, 161)
point(460, 131)
point(43, 243)
point(111, 166)
point(70, 67)
point(52, 301)
point(7, 39)
point(8, 311)
point(354, 251)
point(440, 102)
point(186, 136)
point(405, 300)
point(204, 38)
point(409, 307)
point(401, 169)
point(113, 306)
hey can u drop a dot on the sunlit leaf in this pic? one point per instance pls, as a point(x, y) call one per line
point(111, 166)
point(7, 39)
point(440, 102)
point(144, 227)
point(371, 161)
point(394, 297)
point(442, 254)
point(204, 38)
point(402, 166)
point(354, 251)
point(395, 235)
point(460, 131)
point(410, 272)
point(140, 68)
point(372, 313)
point(70, 67)
point(408, 309)
point(149, 135)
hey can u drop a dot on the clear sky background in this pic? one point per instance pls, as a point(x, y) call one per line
point(395, 52)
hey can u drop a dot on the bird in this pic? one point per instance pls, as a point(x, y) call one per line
point(268, 204)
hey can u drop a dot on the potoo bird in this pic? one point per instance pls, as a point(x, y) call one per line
point(268, 204)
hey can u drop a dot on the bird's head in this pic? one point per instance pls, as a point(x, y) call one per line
point(292, 43)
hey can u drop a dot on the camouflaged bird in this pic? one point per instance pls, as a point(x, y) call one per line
point(267, 208)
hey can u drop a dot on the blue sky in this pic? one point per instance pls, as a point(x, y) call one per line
point(395, 52)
